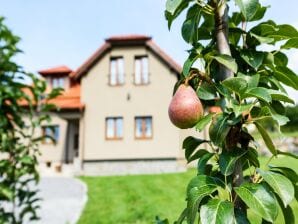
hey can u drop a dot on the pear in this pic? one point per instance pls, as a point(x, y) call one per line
point(185, 108)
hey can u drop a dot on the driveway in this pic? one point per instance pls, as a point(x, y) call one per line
point(63, 200)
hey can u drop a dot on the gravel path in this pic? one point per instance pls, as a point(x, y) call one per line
point(63, 200)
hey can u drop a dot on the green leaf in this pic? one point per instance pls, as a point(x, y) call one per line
point(280, 96)
point(190, 144)
point(286, 76)
point(248, 8)
point(252, 81)
point(287, 154)
point(182, 217)
point(189, 62)
point(266, 138)
point(219, 128)
point(203, 122)
point(235, 84)
point(171, 17)
point(292, 43)
point(280, 184)
point(206, 92)
point(161, 221)
point(190, 26)
point(227, 61)
point(288, 213)
point(241, 217)
point(253, 58)
point(286, 171)
point(260, 93)
point(202, 163)
point(198, 188)
point(242, 108)
point(26, 160)
point(284, 32)
point(227, 163)
point(280, 119)
point(280, 59)
point(261, 10)
point(200, 153)
point(262, 40)
point(217, 212)
point(264, 29)
point(259, 199)
point(6, 192)
point(252, 157)
point(173, 5)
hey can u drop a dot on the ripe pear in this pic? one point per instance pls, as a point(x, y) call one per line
point(185, 108)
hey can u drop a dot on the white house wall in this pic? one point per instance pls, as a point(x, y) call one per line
point(103, 101)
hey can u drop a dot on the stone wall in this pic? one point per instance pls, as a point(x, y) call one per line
point(106, 168)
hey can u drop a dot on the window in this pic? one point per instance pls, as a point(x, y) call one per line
point(116, 71)
point(141, 70)
point(143, 127)
point(58, 82)
point(51, 134)
point(114, 128)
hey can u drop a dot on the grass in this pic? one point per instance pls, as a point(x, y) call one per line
point(138, 199)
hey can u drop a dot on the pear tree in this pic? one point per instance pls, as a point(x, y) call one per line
point(246, 83)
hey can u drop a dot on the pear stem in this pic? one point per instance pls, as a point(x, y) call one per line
point(197, 73)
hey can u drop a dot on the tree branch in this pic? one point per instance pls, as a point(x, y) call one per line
point(222, 28)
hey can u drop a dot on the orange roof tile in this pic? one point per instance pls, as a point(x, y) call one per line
point(130, 37)
point(69, 99)
point(60, 70)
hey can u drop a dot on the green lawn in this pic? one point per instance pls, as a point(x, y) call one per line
point(138, 199)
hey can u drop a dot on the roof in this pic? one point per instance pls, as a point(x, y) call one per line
point(126, 40)
point(58, 70)
point(131, 37)
point(68, 100)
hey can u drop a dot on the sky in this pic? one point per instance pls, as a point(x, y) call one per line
point(67, 32)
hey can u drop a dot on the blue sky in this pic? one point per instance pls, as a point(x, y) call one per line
point(56, 32)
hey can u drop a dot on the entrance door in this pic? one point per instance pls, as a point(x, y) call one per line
point(72, 143)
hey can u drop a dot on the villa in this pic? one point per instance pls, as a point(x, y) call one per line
point(112, 116)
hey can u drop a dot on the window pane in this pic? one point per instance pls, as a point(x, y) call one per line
point(51, 132)
point(120, 70)
point(113, 72)
point(47, 133)
point(58, 83)
point(148, 127)
point(61, 82)
point(138, 127)
point(110, 128)
point(145, 70)
point(119, 127)
point(137, 71)
point(54, 83)
point(56, 134)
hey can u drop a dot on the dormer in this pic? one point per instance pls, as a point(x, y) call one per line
point(57, 77)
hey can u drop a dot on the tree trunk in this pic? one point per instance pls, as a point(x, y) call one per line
point(221, 27)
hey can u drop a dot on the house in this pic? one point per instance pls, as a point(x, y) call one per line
point(113, 115)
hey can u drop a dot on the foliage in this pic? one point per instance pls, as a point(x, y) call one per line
point(139, 198)
point(292, 125)
point(18, 143)
point(246, 82)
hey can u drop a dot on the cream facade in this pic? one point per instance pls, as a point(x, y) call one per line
point(123, 110)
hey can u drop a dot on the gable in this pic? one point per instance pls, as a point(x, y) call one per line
point(133, 40)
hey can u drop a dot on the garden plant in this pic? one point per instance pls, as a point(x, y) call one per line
point(229, 67)
point(19, 200)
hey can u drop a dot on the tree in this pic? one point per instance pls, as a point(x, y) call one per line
point(246, 82)
point(22, 111)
